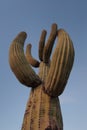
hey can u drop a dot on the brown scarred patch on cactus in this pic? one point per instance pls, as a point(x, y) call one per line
point(43, 110)
point(52, 125)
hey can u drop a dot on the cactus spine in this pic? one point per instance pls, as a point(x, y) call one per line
point(43, 110)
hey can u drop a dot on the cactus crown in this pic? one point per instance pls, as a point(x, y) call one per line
point(59, 66)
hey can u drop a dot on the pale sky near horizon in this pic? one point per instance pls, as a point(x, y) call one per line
point(34, 16)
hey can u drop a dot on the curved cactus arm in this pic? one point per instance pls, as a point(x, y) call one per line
point(61, 65)
point(19, 65)
point(41, 44)
point(49, 44)
point(30, 59)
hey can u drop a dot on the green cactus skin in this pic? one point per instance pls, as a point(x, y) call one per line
point(43, 110)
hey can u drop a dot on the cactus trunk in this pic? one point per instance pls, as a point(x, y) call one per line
point(43, 112)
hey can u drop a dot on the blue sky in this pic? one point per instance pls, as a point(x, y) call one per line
point(34, 16)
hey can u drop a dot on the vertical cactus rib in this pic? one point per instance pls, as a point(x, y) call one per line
point(30, 59)
point(41, 44)
point(49, 44)
point(56, 121)
point(61, 65)
point(28, 112)
point(19, 64)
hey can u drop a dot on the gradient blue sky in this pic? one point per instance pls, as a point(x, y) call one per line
point(32, 16)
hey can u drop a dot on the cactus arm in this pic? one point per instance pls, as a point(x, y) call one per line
point(61, 65)
point(19, 65)
point(41, 44)
point(30, 59)
point(49, 44)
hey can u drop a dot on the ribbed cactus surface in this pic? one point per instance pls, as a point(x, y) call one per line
point(61, 65)
point(43, 110)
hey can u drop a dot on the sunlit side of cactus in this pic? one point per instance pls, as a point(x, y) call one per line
point(61, 65)
point(43, 110)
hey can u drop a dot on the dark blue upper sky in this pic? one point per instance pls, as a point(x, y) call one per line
point(34, 16)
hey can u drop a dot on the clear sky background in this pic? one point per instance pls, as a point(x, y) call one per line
point(33, 16)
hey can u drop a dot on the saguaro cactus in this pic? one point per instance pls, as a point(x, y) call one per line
point(43, 110)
